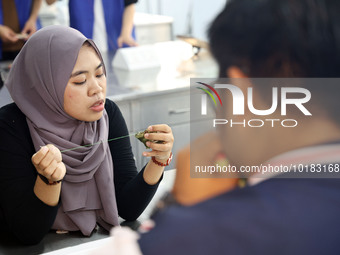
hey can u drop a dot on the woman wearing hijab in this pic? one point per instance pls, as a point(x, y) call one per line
point(48, 178)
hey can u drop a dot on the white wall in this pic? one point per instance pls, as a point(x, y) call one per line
point(190, 16)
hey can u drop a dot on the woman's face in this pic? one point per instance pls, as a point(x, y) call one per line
point(84, 96)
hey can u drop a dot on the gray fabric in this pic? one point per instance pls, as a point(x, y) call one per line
point(37, 82)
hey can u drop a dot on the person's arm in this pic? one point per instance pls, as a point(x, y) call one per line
point(24, 213)
point(125, 36)
point(30, 26)
point(133, 193)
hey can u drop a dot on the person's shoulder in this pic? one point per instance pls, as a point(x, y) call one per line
point(11, 113)
point(230, 214)
point(111, 107)
point(12, 123)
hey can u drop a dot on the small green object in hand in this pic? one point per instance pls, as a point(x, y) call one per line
point(140, 137)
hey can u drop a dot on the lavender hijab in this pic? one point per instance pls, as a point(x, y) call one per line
point(37, 82)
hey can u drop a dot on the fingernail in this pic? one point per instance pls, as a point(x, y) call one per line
point(145, 154)
point(146, 135)
point(148, 144)
point(150, 128)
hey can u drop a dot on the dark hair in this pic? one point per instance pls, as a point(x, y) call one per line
point(278, 38)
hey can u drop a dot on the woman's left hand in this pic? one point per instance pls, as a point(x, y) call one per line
point(161, 151)
point(30, 28)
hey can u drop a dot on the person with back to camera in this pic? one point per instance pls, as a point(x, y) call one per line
point(108, 22)
point(268, 39)
point(48, 178)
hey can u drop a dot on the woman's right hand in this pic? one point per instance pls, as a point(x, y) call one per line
point(7, 35)
point(48, 162)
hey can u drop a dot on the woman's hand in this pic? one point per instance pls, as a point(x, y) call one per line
point(161, 151)
point(30, 28)
point(7, 35)
point(48, 162)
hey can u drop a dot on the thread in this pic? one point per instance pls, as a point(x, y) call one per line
point(88, 145)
